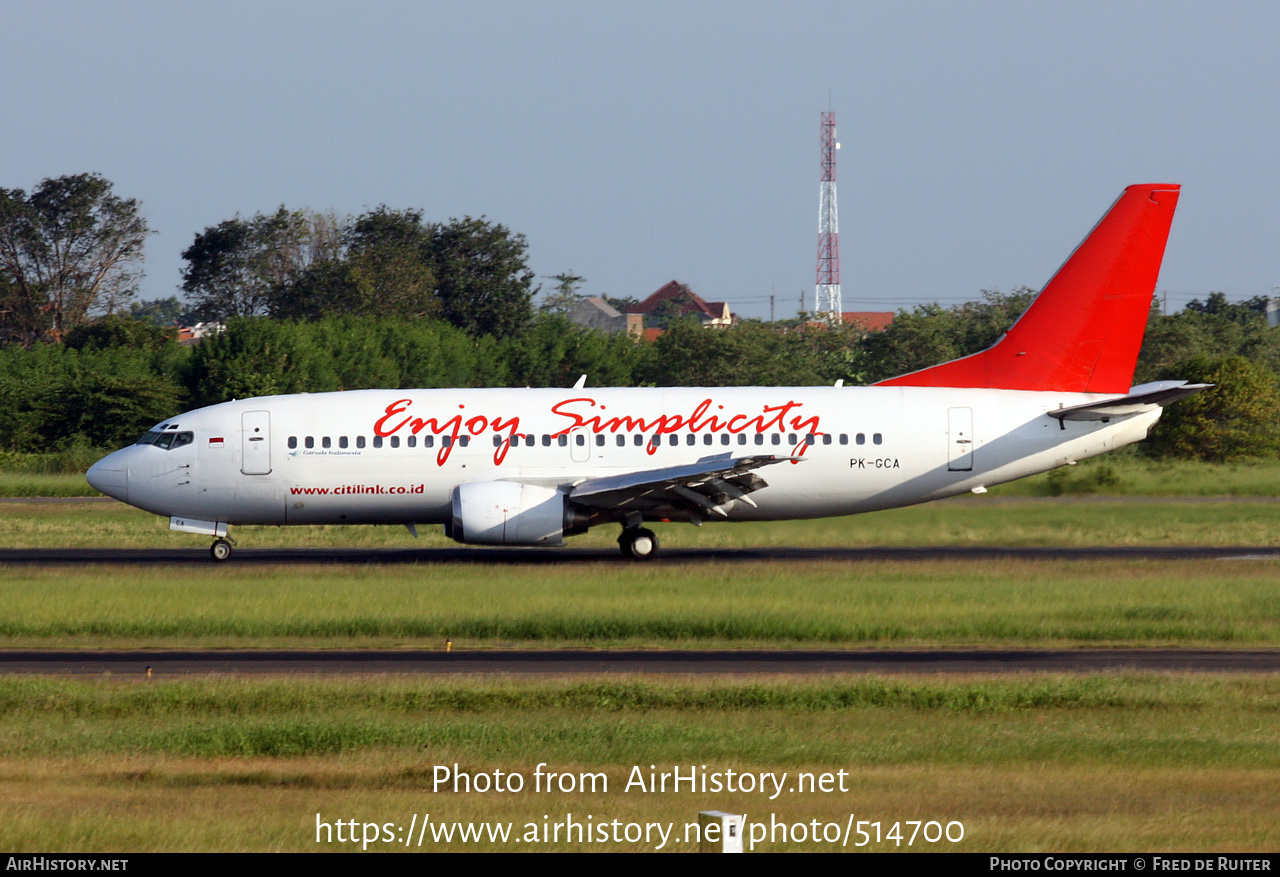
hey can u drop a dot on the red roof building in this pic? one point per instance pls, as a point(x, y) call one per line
point(677, 299)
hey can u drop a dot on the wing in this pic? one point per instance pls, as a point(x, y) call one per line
point(692, 491)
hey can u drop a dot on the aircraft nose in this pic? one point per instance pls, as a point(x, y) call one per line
point(110, 475)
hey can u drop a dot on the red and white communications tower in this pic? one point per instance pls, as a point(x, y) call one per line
point(827, 295)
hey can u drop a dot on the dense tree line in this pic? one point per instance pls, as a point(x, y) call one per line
point(113, 378)
point(314, 302)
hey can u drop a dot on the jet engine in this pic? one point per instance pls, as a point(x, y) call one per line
point(510, 513)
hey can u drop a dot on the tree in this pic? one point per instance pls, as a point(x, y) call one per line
point(483, 283)
point(564, 294)
point(1237, 419)
point(931, 334)
point(384, 270)
point(67, 251)
point(241, 267)
point(171, 311)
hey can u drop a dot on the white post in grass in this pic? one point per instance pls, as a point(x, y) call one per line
point(720, 832)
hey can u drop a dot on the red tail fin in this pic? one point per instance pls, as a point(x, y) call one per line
point(1083, 332)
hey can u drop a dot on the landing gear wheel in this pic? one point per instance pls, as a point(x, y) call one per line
point(220, 550)
point(638, 543)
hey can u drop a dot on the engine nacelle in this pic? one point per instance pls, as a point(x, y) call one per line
point(509, 513)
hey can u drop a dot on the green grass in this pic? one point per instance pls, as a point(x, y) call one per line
point(1126, 473)
point(37, 484)
point(1058, 763)
point(613, 604)
point(994, 521)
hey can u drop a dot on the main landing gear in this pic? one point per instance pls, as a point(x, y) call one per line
point(220, 550)
point(638, 543)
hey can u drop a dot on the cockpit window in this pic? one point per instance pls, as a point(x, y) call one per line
point(167, 440)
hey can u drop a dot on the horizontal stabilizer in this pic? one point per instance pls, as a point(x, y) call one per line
point(1145, 397)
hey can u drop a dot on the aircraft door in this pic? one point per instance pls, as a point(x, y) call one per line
point(255, 443)
point(960, 439)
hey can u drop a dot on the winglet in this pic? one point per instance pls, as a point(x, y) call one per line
point(1083, 332)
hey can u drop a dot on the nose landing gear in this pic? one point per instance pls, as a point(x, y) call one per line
point(638, 543)
point(220, 550)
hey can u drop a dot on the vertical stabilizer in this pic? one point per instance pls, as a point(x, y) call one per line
point(1083, 332)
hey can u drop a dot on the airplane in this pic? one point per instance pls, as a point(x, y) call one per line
point(533, 466)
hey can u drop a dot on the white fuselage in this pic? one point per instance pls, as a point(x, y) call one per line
point(395, 456)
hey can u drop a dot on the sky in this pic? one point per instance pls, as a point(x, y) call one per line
point(636, 143)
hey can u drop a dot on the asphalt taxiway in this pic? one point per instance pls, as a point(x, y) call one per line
point(144, 664)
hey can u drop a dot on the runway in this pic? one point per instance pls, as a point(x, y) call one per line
point(173, 664)
point(573, 556)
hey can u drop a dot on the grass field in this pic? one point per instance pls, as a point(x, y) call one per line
point(1008, 521)
point(1048, 763)
point(816, 603)
point(614, 604)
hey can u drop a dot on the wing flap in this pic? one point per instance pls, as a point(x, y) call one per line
point(694, 490)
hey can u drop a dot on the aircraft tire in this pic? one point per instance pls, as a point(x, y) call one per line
point(639, 544)
point(220, 550)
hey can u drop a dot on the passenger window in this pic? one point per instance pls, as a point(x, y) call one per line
point(528, 441)
point(579, 439)
point(359, 441)
point(844, 438)
point(791, 439)
point(497, 441)
point(293, 442)
point(861, 439)
point(742, 438)
point(759, 438)
point(707, 439)
point(546, 441)
point(377, 441)
point(724, 439)
point(411, 441)
point(691, 440)
point(562, 441)
point(324, 442)
point(639, 440)
point(826, 438)
point(342, 441)
point(395, 441)
point(775, 439)
point(428, 441)
point(876, 438)
point(622, 441)
point(464, 440)
point(309, 442)
point(809, 439)
point(446, 441)
point(673, 440)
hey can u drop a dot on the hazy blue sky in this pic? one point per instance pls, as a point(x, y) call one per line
point(634, 143)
